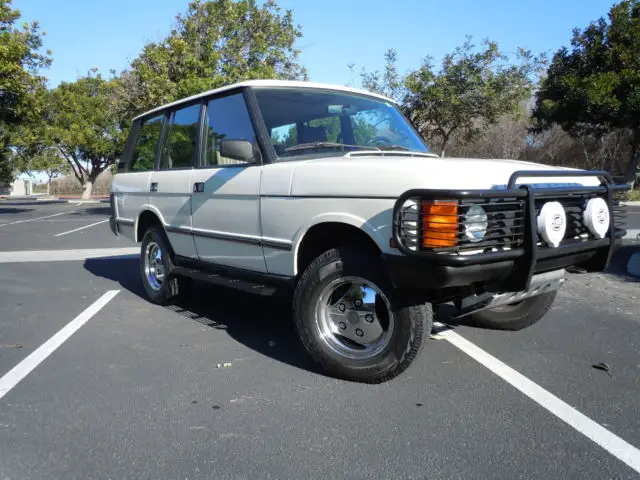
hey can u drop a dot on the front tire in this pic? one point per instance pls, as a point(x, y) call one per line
point(352, 322)
point(516, 316)
point(156, 267)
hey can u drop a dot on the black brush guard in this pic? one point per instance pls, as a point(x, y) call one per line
point(527, 257)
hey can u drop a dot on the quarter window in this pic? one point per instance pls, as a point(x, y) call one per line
point(227, 118)
point(180, 142)
point(144, 154)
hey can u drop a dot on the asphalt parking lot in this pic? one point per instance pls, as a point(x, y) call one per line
point(97, 383)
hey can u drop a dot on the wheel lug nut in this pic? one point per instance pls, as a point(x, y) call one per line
point(359, 332)
point(358, 303)
point(368, 318)
point(342, 325)
point(342, 307)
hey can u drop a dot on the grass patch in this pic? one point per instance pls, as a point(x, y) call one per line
point(634, 195)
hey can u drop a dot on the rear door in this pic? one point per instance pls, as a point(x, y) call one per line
point(226, 198)
point(131, 188)
point(170, 184)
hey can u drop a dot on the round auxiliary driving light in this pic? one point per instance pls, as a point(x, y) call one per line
point(596, 217)
point(475, 223)
point(552, 223)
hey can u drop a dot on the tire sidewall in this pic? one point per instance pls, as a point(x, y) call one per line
point(154, 234)
point(345, 263)
point(525, 314)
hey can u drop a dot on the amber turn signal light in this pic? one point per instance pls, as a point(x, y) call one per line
point(439, 223)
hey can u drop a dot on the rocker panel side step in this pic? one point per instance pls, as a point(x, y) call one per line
point(227, 281)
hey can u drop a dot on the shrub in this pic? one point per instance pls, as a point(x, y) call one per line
point(69, 185)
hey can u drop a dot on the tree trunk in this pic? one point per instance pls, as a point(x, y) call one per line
point(630, 175)
point(49, 188)
point(445, 140)
point(87, 188)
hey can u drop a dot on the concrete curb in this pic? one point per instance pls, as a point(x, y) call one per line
point(631, 204)
point(632, 234)
point(82, 202)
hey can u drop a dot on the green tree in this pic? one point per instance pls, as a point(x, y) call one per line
point(472, 91)
point(80, 120)
point(594, 88)
point(20, 61)
point(389, 83)
point(214, 43)
point(51, 163)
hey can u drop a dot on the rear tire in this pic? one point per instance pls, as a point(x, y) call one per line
point(156, 266)
point(517, 316)
point(352, 322)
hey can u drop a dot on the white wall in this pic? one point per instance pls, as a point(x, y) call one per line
point(20, 186)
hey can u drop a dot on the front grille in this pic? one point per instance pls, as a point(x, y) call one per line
point(574, 205)
point(506, 221)
point(619, 213)
point(505, 227)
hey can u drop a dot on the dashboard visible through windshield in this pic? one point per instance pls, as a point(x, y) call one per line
point(309, 122)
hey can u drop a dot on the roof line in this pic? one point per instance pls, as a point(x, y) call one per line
point(266, 83)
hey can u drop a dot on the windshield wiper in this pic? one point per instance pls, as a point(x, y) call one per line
point(314, 145)
point(393, 147)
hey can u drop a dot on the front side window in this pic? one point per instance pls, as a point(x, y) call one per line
point(180, 142)
point(227, 118)
point(310, 122)
point(144, 154)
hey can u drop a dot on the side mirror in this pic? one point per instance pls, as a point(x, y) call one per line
point(242, 150)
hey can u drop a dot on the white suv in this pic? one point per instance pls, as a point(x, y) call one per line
point(329, 192)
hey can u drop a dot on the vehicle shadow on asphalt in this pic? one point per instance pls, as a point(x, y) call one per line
point(4, 211)
point(619, 260)
point(103, 211)
point(263, 324)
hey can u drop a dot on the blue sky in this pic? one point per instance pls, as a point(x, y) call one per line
point(108, 35)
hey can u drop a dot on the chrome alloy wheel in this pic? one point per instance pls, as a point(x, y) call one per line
point(354, 318)
point(154, 266)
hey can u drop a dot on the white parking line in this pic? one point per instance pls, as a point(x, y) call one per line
point(26, 366)
point(24, 256)
point(81, 228)
point(37, 218)
point(613, 444)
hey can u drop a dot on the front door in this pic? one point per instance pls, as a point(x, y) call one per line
point(170, 184)
point(225, 203)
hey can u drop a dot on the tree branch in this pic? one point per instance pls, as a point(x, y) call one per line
point(76, 169)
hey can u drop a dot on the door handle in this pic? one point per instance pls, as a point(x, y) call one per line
point(198, 187)
point(153, 187)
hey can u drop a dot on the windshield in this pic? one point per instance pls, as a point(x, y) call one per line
point(310, 122)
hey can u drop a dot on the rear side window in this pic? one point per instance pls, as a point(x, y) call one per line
point(180, 142)
point(144, 153)
point(226, 118)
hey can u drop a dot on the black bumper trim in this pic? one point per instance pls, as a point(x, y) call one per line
point(419, 274)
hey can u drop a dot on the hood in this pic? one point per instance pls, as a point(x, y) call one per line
point(389, 175)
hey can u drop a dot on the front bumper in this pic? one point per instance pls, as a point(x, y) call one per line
point(514, 266)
